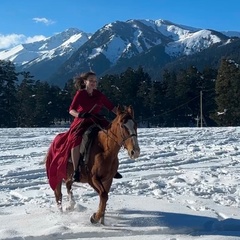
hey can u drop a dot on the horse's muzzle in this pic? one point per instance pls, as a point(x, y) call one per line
point(134, 153)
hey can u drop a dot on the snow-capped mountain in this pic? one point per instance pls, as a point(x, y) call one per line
point(60, 57)
point(58, 45)
point(116, 43)
point(54, 50)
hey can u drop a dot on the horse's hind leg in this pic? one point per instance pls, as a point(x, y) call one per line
point(58, 195)
point(70, 195)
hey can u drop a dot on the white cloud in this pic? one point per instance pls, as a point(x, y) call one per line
point(11, 40)
point(35, 38)
point(43, 20)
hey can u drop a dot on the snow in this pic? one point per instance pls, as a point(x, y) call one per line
point(170, 29)
point(112, 49)
point(184, 186)
point(193, 43)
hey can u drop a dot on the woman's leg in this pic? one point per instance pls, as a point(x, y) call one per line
point(75, 155)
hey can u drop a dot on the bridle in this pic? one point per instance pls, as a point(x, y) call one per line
point(124, 138)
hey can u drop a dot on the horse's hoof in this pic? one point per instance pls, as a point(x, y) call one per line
point(93, 220)
point(59, 206)
point(102, 220)
point(71, 205)
point(70, 208)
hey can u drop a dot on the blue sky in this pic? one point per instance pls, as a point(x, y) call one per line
point(24, 20)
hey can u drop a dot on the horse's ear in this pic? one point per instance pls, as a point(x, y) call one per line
point(130, 110)
point(119, 110)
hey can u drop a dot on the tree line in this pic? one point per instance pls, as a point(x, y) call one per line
point(174, 101)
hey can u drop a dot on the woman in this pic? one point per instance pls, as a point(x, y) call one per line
point(85, 108)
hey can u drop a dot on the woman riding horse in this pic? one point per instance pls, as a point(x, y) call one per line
point(102, 162)
point(85, 107)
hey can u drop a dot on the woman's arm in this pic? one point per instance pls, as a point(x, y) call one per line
point(73, 112)
point(75, 105)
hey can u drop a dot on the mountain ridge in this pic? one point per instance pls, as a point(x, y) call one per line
point(115, 46)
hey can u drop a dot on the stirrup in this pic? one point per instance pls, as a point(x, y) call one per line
point(76, 176)
point(118, 175)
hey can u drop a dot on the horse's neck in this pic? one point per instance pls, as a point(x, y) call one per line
point(109, 139)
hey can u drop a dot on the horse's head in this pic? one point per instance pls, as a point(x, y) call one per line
point(128, 131)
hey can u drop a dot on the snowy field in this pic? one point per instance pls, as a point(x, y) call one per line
point(184, 186)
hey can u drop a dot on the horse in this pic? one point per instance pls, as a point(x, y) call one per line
point(103, 162)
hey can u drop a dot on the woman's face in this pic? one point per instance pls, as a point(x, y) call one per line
point(91, 82)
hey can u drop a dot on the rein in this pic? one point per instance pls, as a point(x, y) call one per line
point(123, 138)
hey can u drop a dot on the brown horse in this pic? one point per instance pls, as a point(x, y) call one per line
point(103, 160)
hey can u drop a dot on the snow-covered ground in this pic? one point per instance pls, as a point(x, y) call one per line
point(184, 186)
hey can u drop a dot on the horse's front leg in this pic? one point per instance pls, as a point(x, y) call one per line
point(103, 191)
point(99, 215)
point(71, 199)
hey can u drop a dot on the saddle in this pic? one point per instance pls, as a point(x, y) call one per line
point(86, 143)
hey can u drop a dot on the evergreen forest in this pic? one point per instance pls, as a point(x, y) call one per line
point(182, 98)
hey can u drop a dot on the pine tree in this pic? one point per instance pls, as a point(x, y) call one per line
point(227, 94)
point(129, 83)
point(8, 100)
point(42, 114)
point(209, 76)
point(26, 101)
point(109, 85)
point(189, 85)
point(143, 94)
point(170, 109)
point(63, 99)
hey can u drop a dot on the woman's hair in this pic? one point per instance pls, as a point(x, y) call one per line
point(79, 79)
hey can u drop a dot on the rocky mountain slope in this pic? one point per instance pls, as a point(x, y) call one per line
point(116, 46)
